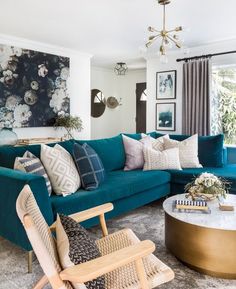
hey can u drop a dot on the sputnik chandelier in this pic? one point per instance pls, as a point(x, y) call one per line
point(167, 37)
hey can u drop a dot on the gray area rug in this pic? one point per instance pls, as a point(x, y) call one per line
point(147, 222)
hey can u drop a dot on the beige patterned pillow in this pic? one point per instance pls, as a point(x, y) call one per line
point(61, 169)
point(157, 143)
point(165, 160)
point(188, 151)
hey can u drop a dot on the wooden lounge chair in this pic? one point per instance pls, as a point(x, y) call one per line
point(126, 262)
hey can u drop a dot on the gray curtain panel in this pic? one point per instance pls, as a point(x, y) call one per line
point(196, 97)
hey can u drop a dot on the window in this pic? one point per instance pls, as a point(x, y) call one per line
point(223, 102)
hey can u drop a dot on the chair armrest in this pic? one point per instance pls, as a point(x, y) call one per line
point(93, 212)
point(11, 184)
point(90, 213)
point(92, 269)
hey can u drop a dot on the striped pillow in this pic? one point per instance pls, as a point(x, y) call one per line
point(89, 166)
point(29, 163)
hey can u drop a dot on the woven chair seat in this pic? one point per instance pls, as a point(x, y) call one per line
point(126, 276)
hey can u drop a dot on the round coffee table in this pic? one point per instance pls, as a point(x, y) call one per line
point(204, 242)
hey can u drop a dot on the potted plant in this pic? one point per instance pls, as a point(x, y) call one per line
point(207, 187)
point(69, 123)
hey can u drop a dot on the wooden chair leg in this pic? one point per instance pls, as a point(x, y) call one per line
point(141, 274)
point(103, 225)
point(41, 283)
point(30, 261)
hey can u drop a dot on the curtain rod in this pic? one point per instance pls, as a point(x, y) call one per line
point(205, 56)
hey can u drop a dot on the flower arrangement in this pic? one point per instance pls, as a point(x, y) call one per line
point(69, 123)
point(207, 187)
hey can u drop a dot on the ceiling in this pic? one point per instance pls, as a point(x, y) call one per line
point(114, 30)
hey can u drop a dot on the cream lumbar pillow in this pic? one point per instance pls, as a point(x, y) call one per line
point(188, 151)
point(61, 169)
point(157, 143)
point(165, 160)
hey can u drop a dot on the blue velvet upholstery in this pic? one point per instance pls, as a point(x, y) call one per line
point(110, 150)
point(118, 185)
point(12, 183)
point(180, 178)
point(126, 190)
point(9, 153)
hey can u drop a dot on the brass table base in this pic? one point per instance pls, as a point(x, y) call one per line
point(209, 251)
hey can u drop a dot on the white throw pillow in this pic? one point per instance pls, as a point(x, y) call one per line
point(146, 140)
point(61, 169)
point(165, 160)
point(133, 152)
point(188, 151)
point(157, 143)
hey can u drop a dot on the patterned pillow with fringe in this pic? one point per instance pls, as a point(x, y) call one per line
point(29, 163)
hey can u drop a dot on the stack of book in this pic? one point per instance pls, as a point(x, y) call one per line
point(29, 141)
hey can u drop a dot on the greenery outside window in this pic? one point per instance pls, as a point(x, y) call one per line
point(223, 102)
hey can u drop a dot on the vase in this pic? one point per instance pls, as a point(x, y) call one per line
point(8, 137)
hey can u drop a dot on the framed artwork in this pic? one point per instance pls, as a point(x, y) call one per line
point(33, 87)
point(166, 85)
point(165, 116)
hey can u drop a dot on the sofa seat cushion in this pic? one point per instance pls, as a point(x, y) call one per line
point(185, 176)
point(118, 185)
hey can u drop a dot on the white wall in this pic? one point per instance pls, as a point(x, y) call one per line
point(121, 119)
point(154, 65)
point(79, 86)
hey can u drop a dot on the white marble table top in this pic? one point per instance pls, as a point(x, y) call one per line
point(224, 220)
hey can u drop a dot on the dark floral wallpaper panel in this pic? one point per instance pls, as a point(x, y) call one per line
point(33, 87)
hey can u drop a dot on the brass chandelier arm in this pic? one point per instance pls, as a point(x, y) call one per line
point(177, 29)
point(152, 29)
point(150, 42)
point(173, 40)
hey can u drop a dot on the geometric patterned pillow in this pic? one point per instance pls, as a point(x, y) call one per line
point(89, 166)
point(76, 246)
point(29, 163)
point(157, 143)
point(61, 169)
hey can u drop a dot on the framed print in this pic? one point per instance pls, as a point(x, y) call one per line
point(33, 87)
point(165, 116)
point(166, 85)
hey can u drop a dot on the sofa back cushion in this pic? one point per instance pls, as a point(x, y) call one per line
point(110, 150)
point(9, 153)
point(210, 149)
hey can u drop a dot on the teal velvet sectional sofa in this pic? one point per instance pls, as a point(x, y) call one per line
point(126, 190)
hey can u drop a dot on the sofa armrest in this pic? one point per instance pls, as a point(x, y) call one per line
point(11, 184)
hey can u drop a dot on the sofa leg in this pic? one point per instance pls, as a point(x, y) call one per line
point(30, 261)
